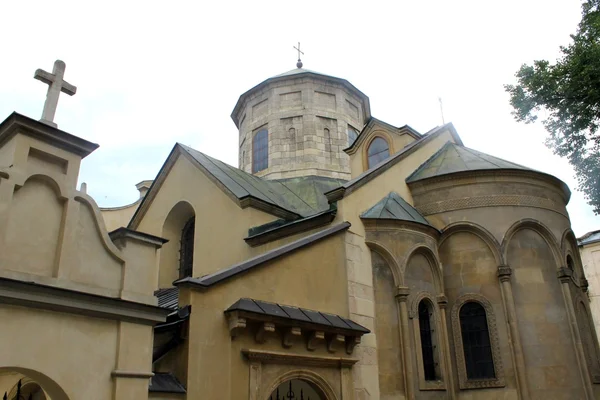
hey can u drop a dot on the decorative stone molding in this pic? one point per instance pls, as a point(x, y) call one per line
point(402, 293)
point(438, 338)
point(236, 324)
point(263, 329)
point(274, 357)
point(442, 301)
point(288, 336)
point(490, 201)
point(463, 381)
point(334, 342)
point(314, 338)
point(504, 273)
point(565, 274)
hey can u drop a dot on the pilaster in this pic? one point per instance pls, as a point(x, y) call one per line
point(402, 293)
point(565, 277)
point(443, 305)
point(504, 273)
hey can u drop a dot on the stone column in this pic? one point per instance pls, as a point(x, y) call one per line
point(565, 277)
point(504, 273)
point(401, 297)
point(445, 346)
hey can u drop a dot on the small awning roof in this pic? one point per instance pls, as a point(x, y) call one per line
point(296, 315)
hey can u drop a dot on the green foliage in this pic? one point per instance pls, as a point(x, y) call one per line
point(568, 95)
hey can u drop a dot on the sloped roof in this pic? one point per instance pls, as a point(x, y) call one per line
point(297, 71)
point(219, 276)
point(301, 196)
point(393, 206)
point(168, 298)
point(165, 382)
point(296, 314)
point(590, 237)
point(355, 183)
point(452, 158)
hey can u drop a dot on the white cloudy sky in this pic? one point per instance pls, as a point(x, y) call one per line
point(152, 73)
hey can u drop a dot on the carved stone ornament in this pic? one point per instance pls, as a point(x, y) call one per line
point(463, 381)
point(314, 338)
point(288, 336)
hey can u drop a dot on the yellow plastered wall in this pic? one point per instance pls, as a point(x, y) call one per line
point(313, 278)
point(221, 225)
point(590, 256)
point(119, 216)
point(63, 353)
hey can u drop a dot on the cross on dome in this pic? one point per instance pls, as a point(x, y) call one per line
point(299, 63)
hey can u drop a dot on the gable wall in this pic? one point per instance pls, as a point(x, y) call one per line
point(359, 159)
point(221, 224)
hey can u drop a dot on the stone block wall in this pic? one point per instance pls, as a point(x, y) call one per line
point(307, 118)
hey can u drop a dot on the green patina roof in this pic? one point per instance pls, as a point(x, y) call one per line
point(303, 196)
point(393, 206)
point(453, 158)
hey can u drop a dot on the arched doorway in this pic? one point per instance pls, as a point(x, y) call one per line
point(25, 389)
point(24, 384)
point(297, 389)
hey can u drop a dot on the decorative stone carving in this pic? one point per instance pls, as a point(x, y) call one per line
point(334, 342)
point(351, 342)
point(463, 381)
point(263, 330)
point(288, 336)
point(314, 338)
point(236, 323)
point(504, 273)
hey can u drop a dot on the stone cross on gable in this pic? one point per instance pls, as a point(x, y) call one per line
point(56, 85)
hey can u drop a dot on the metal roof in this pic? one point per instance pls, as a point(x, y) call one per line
point(589, 237)
point(452, 158)
point(393, 206)
point(301, 196)
point(296, 314)
point(165, 383)
point(168, 298)
point(209, 280)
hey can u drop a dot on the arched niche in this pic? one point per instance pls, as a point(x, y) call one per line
point(387, 326)
point(469, 261)
point(421, 271)
point(31, 380)
point(546, 338)
point(172, 230)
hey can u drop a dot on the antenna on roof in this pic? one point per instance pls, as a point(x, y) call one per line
point(442, 110)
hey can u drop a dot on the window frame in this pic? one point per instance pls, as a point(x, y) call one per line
point(463, 380)
point(439, 383)
point(255, 161)
point(186, 271)
point(371, 142)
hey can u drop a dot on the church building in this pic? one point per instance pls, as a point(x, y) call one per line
point(342, 259)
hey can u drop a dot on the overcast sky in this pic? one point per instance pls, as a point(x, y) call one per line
point(149, 74)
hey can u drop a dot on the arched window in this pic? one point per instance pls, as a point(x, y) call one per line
point(186, 251)
point(378, 151)
point(427, 342)
point(260, 151)
point(479, 361)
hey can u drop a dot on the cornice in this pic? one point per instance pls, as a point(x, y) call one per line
point(34, 295)
point(273, 357)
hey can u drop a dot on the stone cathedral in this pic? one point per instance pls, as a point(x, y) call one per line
point(342, 259)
